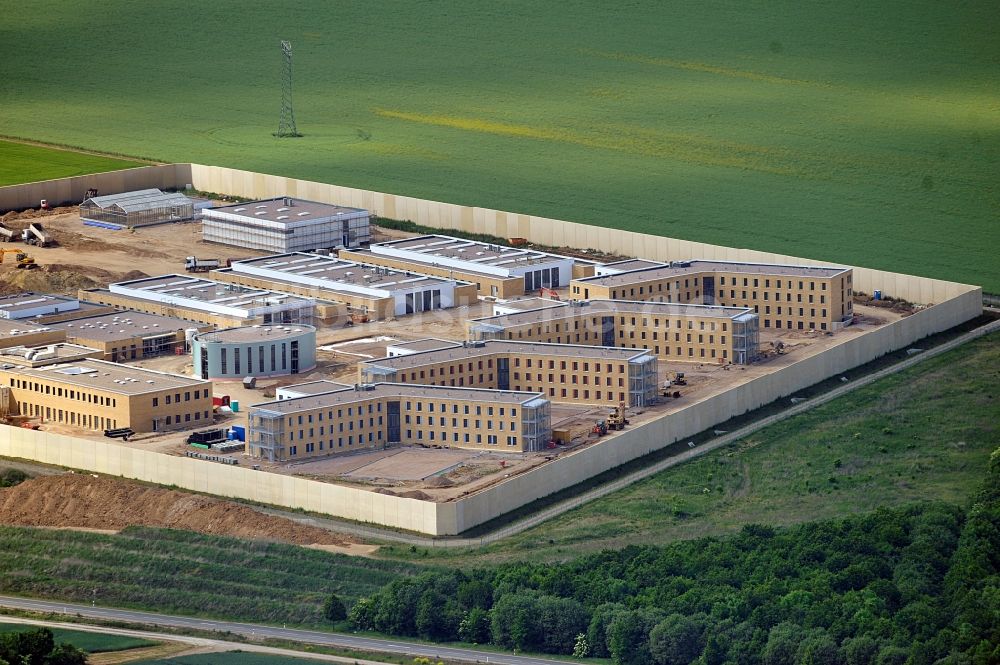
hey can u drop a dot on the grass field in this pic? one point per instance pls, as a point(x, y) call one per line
point(20, 162)
point(923, 434)
point(86, 640)
point(186, 573)
point(863, 133)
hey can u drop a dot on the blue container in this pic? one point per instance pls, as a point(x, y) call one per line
point(239, 433)
point(231, 436)
point(878, 294)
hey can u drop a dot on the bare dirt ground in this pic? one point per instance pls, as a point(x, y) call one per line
point(84, 501)
point(89, 257)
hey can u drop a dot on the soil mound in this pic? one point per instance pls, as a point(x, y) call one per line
point(60, 278)
point(83, 501)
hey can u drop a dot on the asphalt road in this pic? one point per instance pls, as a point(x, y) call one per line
point(261, 632)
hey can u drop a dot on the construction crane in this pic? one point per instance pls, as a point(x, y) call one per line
point(23, 260)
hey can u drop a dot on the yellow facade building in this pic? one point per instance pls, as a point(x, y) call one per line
point(561, 372)
point(376, 416)
point(673, 331)
point(98, 395)
point(785, 297)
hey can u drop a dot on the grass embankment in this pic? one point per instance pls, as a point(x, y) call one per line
point(789, 127)
point(924, 433)
point(186, 573)
point(21, 162)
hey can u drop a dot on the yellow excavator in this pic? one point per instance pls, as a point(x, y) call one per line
point(23, 260)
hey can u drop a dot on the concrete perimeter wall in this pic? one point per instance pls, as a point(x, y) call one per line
point(952, 304)
point(635, 442)
point(552, 232)
point(219, 479)
point(67, 191)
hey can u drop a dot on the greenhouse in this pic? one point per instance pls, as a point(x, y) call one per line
point(142, 208)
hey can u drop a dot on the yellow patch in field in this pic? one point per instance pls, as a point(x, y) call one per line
point(702, 67)
point(686, 148)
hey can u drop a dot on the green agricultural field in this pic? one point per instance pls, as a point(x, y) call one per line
point(923, 434)
point(20, 162)
point(88, 641)
point(863, 133)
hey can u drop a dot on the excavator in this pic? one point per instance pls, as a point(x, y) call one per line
point(23, 260)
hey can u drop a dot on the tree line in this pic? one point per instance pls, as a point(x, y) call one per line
point(909, 586)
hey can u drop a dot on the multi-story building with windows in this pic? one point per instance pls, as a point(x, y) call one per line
point(783, 296)
point(97, 395)
point(561, 372)
point(374, 416)
point(673, 331)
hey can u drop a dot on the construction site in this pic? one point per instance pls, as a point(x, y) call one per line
point(422, 367)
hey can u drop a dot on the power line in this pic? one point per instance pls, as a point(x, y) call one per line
point(286, 121)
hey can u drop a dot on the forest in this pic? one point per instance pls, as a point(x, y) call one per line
point(914, 585)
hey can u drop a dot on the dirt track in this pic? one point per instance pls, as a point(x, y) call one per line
point(87, 502)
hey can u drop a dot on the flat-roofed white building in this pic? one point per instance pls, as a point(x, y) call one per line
point(286, 224)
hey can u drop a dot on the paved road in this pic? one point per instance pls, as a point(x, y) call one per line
point(375, 533)
point(260, 632)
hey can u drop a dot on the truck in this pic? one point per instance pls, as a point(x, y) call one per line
point(194, 264)
point(36, 235)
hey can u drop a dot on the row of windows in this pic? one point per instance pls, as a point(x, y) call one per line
point(176, 397)
point(454, 408)
point(308, 418)
point(529, 362)
point(767, 296)
point(573, 378)
point(733, 281)
point(176, 420)
point(441, 420)
point(677, 337)
point(340, 428)
point(85, 420)
point(491, 439)
point(315, 446)
point(65, 393)
point(455, 437)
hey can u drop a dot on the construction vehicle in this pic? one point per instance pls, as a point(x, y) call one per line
point(617, 420)
point(6, 235)
point(36, 235)
point(194, 264)
point(679, 379)
point(600, 428)
point(23, 260)
point(665, 391)
point(548, 293)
